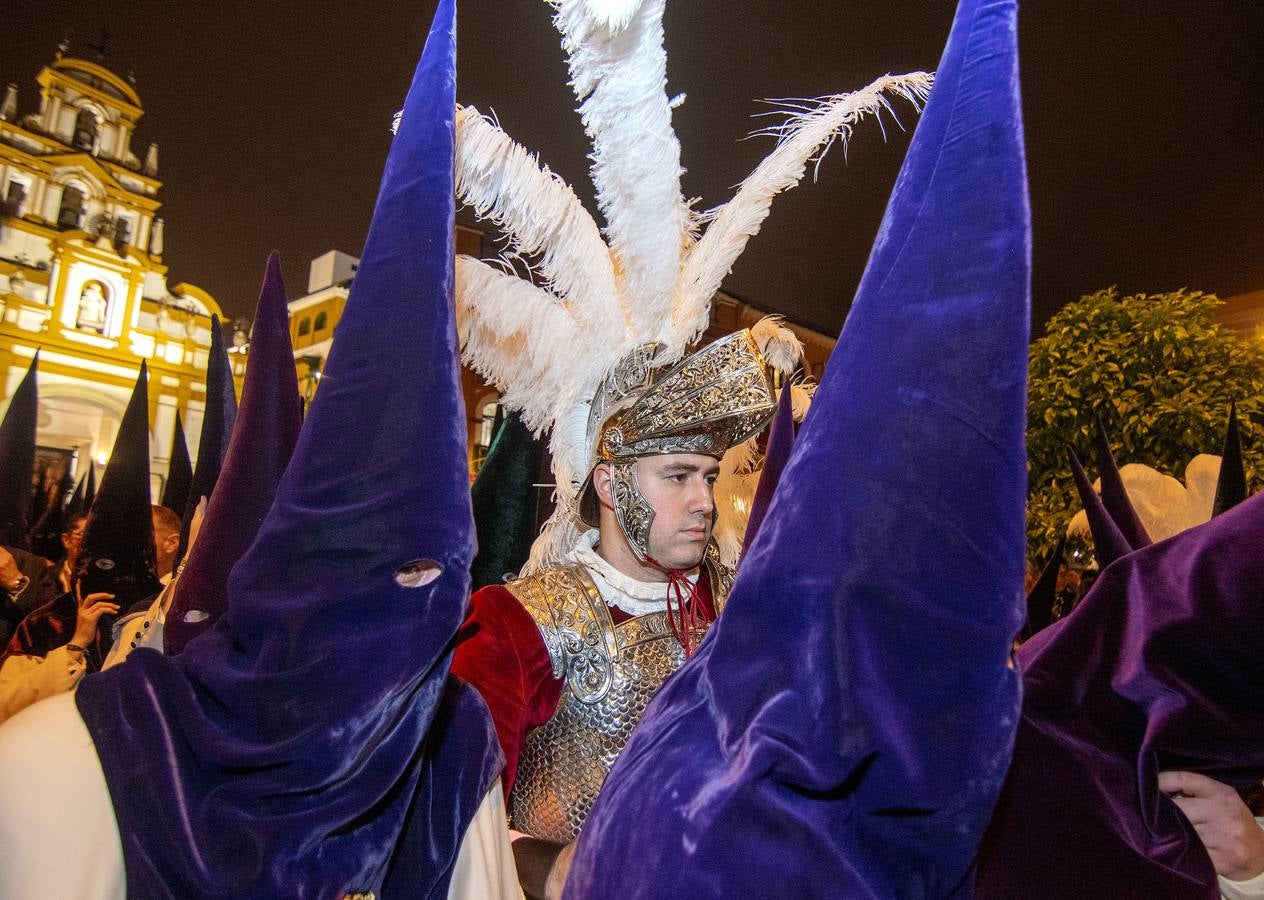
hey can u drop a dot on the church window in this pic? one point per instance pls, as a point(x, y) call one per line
point(122, 232)
point(304, 327)
point(14, 198)
point(322, 319)
point(71, 212)
point(85, 136)
point(488, 425)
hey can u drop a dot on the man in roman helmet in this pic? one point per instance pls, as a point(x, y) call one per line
point(568, 658)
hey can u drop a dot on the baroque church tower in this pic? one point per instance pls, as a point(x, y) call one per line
point(82, 277)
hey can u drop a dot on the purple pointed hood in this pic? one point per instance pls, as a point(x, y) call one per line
point(845, 727)
point(1231, 483)
point(290, 747)
point(1159, 667)
point(1109, 543)
point(780, 444)
point(1043, 596)
point(263, 439)
point(17, 460)
point(1115, 495)
point(217, 428)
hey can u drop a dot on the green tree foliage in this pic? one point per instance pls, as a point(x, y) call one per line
point(1159, 371)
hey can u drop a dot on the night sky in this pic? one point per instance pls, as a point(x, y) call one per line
point(1145, 126)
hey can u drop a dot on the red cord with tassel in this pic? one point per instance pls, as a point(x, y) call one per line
point(684, 617)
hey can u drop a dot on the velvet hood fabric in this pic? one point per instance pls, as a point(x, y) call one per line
point(1231, 483)
point(263, 438)
point(295, 749)
point(17, 460)
point(504, 497)
point(217, 428)
point(1159, 667)
point(1109, 543)
point(1043, 597)
point(175, 493)
point(844, 729)
point(1115, 495)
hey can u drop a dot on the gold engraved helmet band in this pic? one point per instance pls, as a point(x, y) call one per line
point(708, 402)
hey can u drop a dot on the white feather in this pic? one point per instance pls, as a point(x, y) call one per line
point(518, 337)
point(807, 132)
point(618, 71)
point(781, 347)
point(541, 216)
point(801, 395)
point(651, 277)
point(734, 495)
point(569, 448)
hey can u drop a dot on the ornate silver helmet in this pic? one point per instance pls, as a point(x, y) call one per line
point(708, 402)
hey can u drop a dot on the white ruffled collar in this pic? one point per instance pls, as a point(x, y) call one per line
point(634, 597)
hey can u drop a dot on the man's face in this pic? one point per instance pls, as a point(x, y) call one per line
point(681, 488)
point(166, 542)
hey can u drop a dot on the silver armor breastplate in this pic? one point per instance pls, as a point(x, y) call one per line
point(611, 673)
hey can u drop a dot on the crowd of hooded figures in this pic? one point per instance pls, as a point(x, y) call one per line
point(773, 639)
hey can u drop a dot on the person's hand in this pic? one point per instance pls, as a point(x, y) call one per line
point(557, 874)
point(91, 609)
point(1234, 840)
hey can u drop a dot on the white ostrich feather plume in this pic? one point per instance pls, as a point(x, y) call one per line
point(650, 275)
point(806, 133)
point(781, 347)
point(542, 217)
point(1164, 505)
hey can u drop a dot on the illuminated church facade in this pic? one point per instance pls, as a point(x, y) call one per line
point(82, 278)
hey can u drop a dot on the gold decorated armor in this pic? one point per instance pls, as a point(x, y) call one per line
point(611, 671)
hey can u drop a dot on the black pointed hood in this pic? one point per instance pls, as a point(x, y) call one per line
point(117, 554)
point(1043, 596)
point(777, 454)
point(17, 460)
point(175, 493)
point(1231, 483)
point(217, 427)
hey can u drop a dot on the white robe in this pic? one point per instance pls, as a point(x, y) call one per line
point(59, 837)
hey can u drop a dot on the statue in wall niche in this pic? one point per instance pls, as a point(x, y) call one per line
point(92, 308)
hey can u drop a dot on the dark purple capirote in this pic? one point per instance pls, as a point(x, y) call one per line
point(217, 427)
point(311, 744)
point(1159, 667)
point(1115, 495)
point(263, 438)
point(845, 728)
